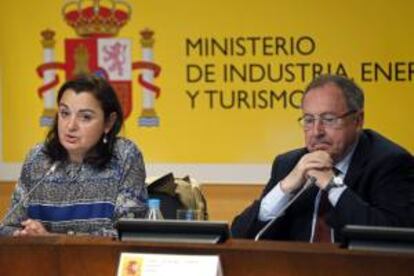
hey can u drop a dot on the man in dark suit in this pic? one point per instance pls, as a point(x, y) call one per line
point(359, 176)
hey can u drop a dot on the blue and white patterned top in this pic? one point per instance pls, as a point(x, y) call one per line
point(78, 197)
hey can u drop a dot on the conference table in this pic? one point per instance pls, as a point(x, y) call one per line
point(85, 255)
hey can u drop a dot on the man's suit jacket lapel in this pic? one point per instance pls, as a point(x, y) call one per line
point(358, 162)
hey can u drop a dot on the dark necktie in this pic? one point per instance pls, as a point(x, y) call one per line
point(322, 229)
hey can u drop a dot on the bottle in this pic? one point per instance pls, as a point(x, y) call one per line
point(154, 211)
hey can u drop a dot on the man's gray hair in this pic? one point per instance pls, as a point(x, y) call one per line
point(354, 96)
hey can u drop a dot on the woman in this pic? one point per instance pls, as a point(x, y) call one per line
point(86, 176)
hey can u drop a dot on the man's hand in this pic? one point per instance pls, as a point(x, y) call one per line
point(31, 228)
point(317, 164)
point(322, 177)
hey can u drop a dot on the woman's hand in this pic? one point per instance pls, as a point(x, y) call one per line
point(31, 228)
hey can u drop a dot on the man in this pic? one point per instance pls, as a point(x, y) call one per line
point(359, 176)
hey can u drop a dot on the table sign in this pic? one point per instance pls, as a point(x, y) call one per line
point(138, 264)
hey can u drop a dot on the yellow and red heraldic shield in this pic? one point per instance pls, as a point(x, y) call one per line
point(99, 52)
point(107, 57)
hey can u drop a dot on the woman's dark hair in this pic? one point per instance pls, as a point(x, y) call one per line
point(102, 91)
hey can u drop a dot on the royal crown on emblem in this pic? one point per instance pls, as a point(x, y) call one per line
point(92, 18)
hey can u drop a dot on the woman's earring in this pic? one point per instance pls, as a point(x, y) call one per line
point(105, 139)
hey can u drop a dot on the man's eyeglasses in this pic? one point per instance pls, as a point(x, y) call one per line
point(327, 120)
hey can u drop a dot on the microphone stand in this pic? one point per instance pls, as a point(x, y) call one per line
point(309, 182)
point(26, 196)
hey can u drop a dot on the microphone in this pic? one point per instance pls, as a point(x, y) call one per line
point(26, 196)
point(309, 182)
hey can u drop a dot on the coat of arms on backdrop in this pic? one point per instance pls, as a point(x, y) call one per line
point(98, 51)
